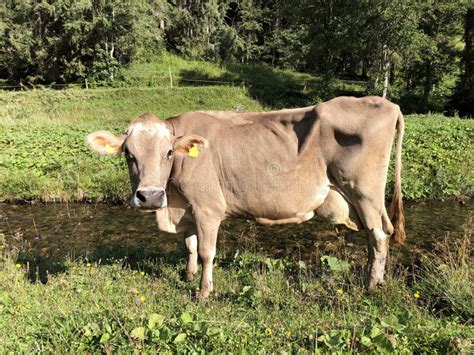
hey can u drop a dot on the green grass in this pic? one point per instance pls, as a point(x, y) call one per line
point(114, 106)
point(436, 157)
point(260, 305)
point(271, 87)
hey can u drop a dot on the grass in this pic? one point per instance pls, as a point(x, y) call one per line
point(271, 87)
point(261, 305)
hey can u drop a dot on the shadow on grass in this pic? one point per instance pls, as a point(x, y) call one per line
point(273, 87)
point(136, 258)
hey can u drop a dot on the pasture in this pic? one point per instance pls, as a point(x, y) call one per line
point(125, 297)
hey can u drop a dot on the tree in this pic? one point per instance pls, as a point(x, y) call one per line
point(65, 40)
point(463, 99)
point(388, 31)
point(196, 27)
point(436, 52)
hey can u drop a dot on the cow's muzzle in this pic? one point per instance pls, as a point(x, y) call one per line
point(149, 197)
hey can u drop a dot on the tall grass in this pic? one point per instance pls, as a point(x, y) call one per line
point(447, 277)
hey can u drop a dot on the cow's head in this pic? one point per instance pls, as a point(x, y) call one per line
point(150, 149)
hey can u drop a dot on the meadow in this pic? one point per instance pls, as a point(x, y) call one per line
point(262, 304)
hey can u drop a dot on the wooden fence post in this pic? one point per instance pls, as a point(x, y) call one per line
point(171, 77)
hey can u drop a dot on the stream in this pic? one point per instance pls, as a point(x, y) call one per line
point(55, 231)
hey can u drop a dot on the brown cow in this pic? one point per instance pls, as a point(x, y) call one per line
point(199, 168)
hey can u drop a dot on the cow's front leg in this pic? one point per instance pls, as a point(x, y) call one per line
point(190, 239)
point(207, 229)
point(378, 243)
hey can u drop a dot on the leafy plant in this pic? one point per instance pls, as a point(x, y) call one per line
point(334, 264)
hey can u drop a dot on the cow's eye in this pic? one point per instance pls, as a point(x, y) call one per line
point(169, 155)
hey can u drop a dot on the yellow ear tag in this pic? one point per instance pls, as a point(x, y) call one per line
point(109, 149)
point(193, 152)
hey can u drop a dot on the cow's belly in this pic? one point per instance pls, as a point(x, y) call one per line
point(282, 206)
point(334, 208)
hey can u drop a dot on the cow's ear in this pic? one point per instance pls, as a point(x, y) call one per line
point(190, 144)
point(105, 143)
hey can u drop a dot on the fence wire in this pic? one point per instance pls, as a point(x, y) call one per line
point(175, 79)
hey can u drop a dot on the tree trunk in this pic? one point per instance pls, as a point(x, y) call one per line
point(427, 86)
point(463, 100)
point(386, 70)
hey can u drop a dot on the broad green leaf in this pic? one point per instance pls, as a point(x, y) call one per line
point(138, 333)
point(155, 320)
point(382, 343)
point(374, 332)
point(165, 334)
point(91, 329)
point(212, 332)
point(104, 338)
point(334, 264)
point(186, 318)
point(366, 341)
point(180, 338)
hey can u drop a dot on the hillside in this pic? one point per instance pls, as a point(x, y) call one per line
point(273, 88)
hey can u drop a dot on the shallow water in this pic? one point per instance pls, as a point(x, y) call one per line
point(53, 231)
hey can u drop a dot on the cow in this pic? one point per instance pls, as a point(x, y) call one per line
point(198, 168)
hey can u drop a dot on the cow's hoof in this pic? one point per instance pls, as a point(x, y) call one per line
point(203, 296)
point(190, 276)
point(374, 284)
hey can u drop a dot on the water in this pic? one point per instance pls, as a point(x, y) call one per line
point(54, 231)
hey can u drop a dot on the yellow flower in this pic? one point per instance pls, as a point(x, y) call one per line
point(416, 295)
point(18, 266)
point(142, 273)
point(142, 298)
point(339, 291)
point(88, 265)
point(288, 334)
point(268, 331)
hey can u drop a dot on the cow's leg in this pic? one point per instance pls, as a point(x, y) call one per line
point(190, 239)
point(207, 229)
point(378, 250)
point(377, 241)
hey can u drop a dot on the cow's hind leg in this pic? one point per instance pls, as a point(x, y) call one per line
point(377, 241)
point(191, 242)
point(378, 250)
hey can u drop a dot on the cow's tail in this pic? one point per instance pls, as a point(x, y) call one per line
point(396, 209)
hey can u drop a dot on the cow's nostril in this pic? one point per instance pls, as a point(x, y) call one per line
point(160, 194)
point(141, 196)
